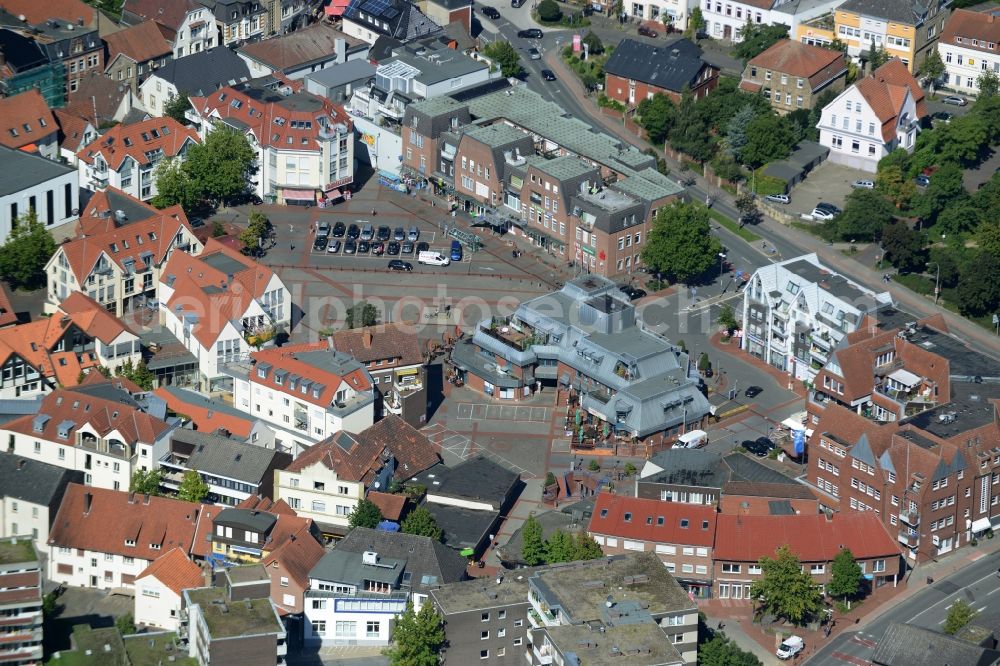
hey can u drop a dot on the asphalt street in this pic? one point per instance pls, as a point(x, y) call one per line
point(978, 584)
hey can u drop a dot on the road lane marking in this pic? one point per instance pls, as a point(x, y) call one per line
point(975, 582)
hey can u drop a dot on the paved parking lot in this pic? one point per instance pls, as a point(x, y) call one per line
point(828, 182)
point(494, 412)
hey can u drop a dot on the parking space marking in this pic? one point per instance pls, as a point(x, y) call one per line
point(489, 412)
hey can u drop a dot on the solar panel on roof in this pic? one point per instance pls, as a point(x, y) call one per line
point(390, 13)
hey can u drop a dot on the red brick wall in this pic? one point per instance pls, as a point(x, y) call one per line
point(617, 88)
point(463, 16)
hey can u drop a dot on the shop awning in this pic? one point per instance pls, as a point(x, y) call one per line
point(336, 7)
point(793, 424)
point(298, 195)
point(335, 193)
point(981, 525)
point(904, 377)
point(407, 371)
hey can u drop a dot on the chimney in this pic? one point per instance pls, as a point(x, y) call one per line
point(340, 48)
point(131, 497)
point(145, 498)
point(367, 338)
point(21, 464)
point(208, 576)
point(79, 21)
point(88, 500)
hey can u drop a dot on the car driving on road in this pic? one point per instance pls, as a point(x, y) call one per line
point(530, 33)
point(490, 13)
point(779, 198)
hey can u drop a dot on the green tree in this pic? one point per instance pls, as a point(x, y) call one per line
point(594, 44)
point(877, 56)
point(585, 548)
point(681, 244)
point(193, 488)
point(421, 521)
point(768, 137)
point(361, 314)
point(757, 38)
point(988, 237)
point(845, 575)
point(959, 614)
point(176, 106)
point(549, 12)
point(254, 237)
point(946, 186)
point(746, 204)
point(695, 24)
point(944, 266)
point(50, 605)
point(816, 112)
point(28, 248)
point(594, 466)
point(691, 132)
point(978, 288)
point(933, 67)
point(173, 186)
point(146, 482)
point(218, 229)
point(786, 590)
point(139, 374)
point(703, 362)
point(727, 319)
point(736, 130)
point(904, 247)
point(657, 116)
point(630, 469)
point(866, 213)
point(365, 514)
point(125, 624)
point(532, 546)
point(958, 218)
point(721, 651)
point(417, 638)
point(559, 547)
point(892, 182)
point(506, 57)
point(988, 83)
point(221, 167)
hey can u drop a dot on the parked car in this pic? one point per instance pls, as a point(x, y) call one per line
point(515, 4)
point(320, 243)
point(922, 180)
point(323, 230)
point(779, 198)
point(822, 205)
point(367, 232)
point(863, 184)
point(333, 247)
point(353, 232)
point(399, 234)
point(196, 222)
point(413, 234)
point(392, 249)
point(754, 447)
point(350, 247)
point(753, 391)
point(490, 13)
point(648, 32)
point(406, 248)
point(941, 117)
point(548, 75)
point(384, 232)
point(397, 265)
point(954, 100)
point(378, 248)
point(534, 54)
point(364, 247)
point(422, 247)
point(823, 214)
point(632, 293)
point(339, 230)
point(530, 33)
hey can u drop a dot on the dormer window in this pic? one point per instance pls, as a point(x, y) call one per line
point(130, 543)
point(154, 546)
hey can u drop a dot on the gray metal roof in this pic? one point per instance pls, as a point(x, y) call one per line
point(671, 67)
point(23, 170)
point(339, 75)
point(202, 73)
point(34, 481)
point(909, 12)
point(430, 562)
point(342, 566)
point(221, 456)
point(909, 645)
point(461, 527)
point(478, 479)
point(255, 521)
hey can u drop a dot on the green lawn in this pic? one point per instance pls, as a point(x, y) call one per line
point(734, 227)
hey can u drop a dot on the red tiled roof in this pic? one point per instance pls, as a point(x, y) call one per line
point(639, 519)
point(288, 358)
point(297, 555)
point(97, 94)
point(155, 234)
point(98, 217)
point(814, 538)
point(297, 48)
point(258, 503)
point(39, 12)
point(170, 14)
point(847, 425)
point(147, 41)
point(137, 140)
point(71, 129)
point(391, 506)
point(174, 570)
point(277, 121)
point(969, 25)
point(25, 109)
point(116, 517)
point(380, 342)
point(356, 457)
point(886, 91)
point(287, 524)
point(204, 418)
point(794, 58)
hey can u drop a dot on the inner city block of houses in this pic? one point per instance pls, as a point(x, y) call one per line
point(188, 438)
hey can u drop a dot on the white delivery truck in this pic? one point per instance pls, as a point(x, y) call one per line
point(790, 647)
point(695, 439)
point(433, 258)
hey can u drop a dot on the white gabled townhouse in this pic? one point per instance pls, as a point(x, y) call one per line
point(126, 156)
point(96, 428)
point(219, 304)
point(968, 47)
point(873, 117)
point(104, 539)
point(159, 586)
point(726, 19)
point(118, 256)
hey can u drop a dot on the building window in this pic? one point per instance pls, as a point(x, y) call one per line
point(484, 654)
point(372, 628)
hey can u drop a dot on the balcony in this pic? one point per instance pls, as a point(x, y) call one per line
point(534, 619)
point(908, 538)
point(543, 655)
point(517, 336)
point(911, 518)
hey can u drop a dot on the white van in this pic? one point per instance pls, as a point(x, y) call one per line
point(433, 258)
point(790, 647)
point(694, 439)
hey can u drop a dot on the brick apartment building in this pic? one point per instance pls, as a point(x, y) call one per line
point(791, 75)
point(638, 70)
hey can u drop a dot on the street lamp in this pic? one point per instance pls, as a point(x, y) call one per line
point(937, 281)
point(722, 258)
